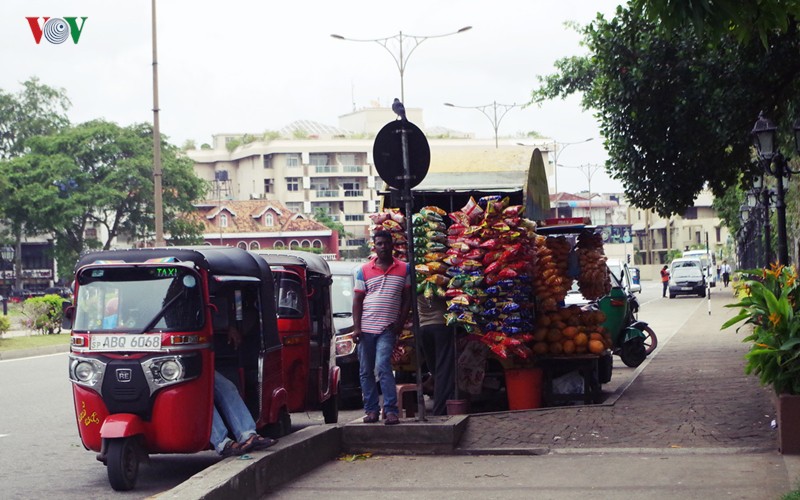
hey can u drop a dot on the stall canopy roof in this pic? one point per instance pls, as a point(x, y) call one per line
point(505, 181)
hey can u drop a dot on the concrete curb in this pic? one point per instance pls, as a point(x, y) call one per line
point(293, 456)
point(36, 351)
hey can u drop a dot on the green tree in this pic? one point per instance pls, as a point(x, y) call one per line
point(744, 19)
point(98, 174)
point(676, 109)
point(35, 110)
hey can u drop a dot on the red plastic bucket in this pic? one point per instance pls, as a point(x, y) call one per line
point(524, 388)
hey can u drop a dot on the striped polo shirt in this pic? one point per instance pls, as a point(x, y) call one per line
point(383, 293)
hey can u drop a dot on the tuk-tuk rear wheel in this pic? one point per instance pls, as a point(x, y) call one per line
point(330, 409)
point(122, 462)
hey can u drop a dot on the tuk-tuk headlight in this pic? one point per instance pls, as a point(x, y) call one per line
point(345, 344)
point(163, 371)
point(171, 370)
point(84, 371)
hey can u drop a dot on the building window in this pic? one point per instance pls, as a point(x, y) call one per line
point(295, 206)
point(354, 217)
point(269, 220)
point(254, 245)
point(292, 160)
point(267, 161)
point(356, 242)
point(352, 189)
point(223, 220)
point(293, 183)
point(278, 245)
point(294, 244)
point(306, 244)
point(267, 186)
point(242, 245)
point(317, 244)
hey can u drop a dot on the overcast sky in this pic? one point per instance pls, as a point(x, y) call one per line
point(251, 65)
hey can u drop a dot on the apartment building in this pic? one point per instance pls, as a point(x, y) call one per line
point(332, 169)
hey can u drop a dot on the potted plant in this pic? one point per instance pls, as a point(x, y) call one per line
point(771, 305)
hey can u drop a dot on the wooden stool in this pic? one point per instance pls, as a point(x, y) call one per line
point(407, 399)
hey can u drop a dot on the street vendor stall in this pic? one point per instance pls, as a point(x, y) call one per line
point(505, 285)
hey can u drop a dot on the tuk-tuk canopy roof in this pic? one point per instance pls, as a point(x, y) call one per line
point(218, 260)
point(313, 262)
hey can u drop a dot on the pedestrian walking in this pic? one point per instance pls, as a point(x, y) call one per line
point(726, 273)
point(664, 280)
point(381, 301)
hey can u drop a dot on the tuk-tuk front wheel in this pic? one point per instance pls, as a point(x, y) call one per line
point(330, 409)
point(633, 352)
point(122, 462)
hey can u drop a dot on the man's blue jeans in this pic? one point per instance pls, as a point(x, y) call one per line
point(375, 351)
point(228, 401)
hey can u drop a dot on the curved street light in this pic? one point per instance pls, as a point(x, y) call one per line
point(493, 118)
point(398, 42)
point(556, 153)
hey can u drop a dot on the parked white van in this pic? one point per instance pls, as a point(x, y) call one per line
point(686, 278)
point(706, 261)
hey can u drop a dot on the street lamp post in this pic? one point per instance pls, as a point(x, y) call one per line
point(402, 54)
point(493, 118)
point(6, 255)
point(556, 153)
point(588, 171)
point(774, 163)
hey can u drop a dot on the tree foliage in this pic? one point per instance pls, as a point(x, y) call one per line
point(37, 109)
point(98, 174)
point(676, 106)
point(743, 19)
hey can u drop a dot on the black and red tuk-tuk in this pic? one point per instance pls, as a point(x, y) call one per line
point(306, 330)
point(149, 329)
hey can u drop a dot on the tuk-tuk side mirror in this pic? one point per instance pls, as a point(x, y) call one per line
point(67, 315)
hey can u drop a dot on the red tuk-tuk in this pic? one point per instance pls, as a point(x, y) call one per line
point(149, 329)
point(306, 329)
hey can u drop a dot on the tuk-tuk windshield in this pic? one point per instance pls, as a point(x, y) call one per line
point(131, 299)
point(342, 294)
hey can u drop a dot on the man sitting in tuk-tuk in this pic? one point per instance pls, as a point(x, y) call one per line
point(228, 403)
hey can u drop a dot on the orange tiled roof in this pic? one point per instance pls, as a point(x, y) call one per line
point(249, 216)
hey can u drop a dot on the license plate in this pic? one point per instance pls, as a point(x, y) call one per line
point(125, 343)
point(686, 288)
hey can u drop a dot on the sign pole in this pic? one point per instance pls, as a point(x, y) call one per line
point(409, 206)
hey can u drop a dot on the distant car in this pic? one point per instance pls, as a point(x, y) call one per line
point(61, 291)
point(17, 295)
point(342, 273)
point(686, 277)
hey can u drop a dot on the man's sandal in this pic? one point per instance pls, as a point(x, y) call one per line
point(232, 449)
point(258, 443)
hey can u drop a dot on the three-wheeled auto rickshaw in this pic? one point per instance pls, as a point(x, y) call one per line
point(149, 329)
point(306, 330)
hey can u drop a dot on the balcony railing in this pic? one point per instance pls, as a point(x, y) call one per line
point(352, 193)
point(327, 193)
point(326, 169)
point(349, 169)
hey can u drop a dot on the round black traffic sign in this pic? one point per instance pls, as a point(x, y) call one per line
point(387, 152)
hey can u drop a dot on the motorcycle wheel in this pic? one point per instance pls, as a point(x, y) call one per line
point(650, 340)
point(633, 352)
point(122, 462)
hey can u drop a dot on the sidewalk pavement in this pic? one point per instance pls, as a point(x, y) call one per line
point(34, 351)
point(691, 425)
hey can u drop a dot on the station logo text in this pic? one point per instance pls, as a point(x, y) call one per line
point(56, 30)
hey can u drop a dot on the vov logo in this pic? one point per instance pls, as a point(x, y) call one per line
point(56, 29)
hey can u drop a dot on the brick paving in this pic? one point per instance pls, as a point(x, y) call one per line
point(693, 394)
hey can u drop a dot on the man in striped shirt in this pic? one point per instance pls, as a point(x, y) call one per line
point(381, 303)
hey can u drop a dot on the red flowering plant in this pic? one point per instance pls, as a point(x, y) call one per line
point(770, 303)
